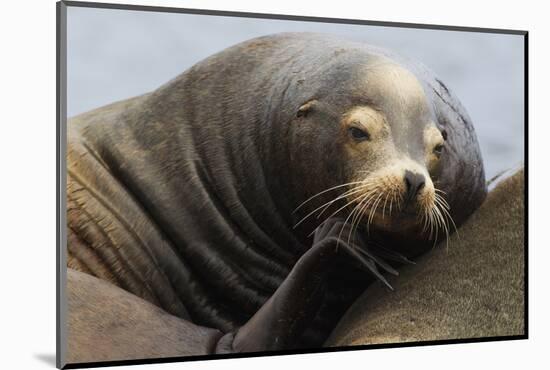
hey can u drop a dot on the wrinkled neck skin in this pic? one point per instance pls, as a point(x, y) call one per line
point(213, 170)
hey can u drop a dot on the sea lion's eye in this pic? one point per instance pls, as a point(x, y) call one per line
point(358, 134)
point(444, 134)
point(438, 149)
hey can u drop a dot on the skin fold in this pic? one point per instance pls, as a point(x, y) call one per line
point(200, 197)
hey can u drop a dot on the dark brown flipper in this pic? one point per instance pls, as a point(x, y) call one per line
point(281, 321)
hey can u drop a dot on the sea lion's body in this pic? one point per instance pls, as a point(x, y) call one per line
point(185, 196)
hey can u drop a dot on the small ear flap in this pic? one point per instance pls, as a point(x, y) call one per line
point(306, 108)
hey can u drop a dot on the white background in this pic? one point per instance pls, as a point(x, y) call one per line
point(27, 183)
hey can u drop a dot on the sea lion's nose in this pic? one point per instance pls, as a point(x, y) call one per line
point(414, 182)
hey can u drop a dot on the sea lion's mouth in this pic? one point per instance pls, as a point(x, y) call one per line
point(398, 218)
point(411, 212)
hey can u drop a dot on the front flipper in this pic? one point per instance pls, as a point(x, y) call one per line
point(280, 322)
point(355, 247)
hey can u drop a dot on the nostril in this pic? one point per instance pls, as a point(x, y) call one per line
point(408, 184)
point(420, 185)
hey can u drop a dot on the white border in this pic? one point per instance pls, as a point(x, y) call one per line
point(27, 187)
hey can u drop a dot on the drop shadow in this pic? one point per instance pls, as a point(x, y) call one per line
point(47, 358)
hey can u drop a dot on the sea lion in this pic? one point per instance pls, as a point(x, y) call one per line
point(201, 196)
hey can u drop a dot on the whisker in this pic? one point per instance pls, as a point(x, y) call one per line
point(373, 210)
point(370, 196)
point(365, 207)
point(343, 226)
point(384, 208)
point(361, 213)
point(357, 216)
point(392, 199)
point(358, 212)
point(326, 191)
point(435, 226)
point(328, 204)
point(443, 223)
point(442, 201)
point(352, 191)
point(334, 213)
point(426, 218)
point(447, 213)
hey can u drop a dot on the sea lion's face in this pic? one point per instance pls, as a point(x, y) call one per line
point(389, 151)
point(393, 153)
point(390, 184)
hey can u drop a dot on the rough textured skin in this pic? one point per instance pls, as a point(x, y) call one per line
point(106, 323)
point(474, 288)
point(185, 196)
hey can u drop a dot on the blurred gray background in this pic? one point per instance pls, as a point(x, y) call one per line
point(116, 54)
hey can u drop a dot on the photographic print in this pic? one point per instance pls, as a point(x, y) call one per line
point(240, 184)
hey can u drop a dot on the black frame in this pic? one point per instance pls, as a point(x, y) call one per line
point(61, 117)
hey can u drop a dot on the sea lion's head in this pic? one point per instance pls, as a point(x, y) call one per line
point(386, 146)
point(393, 151)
